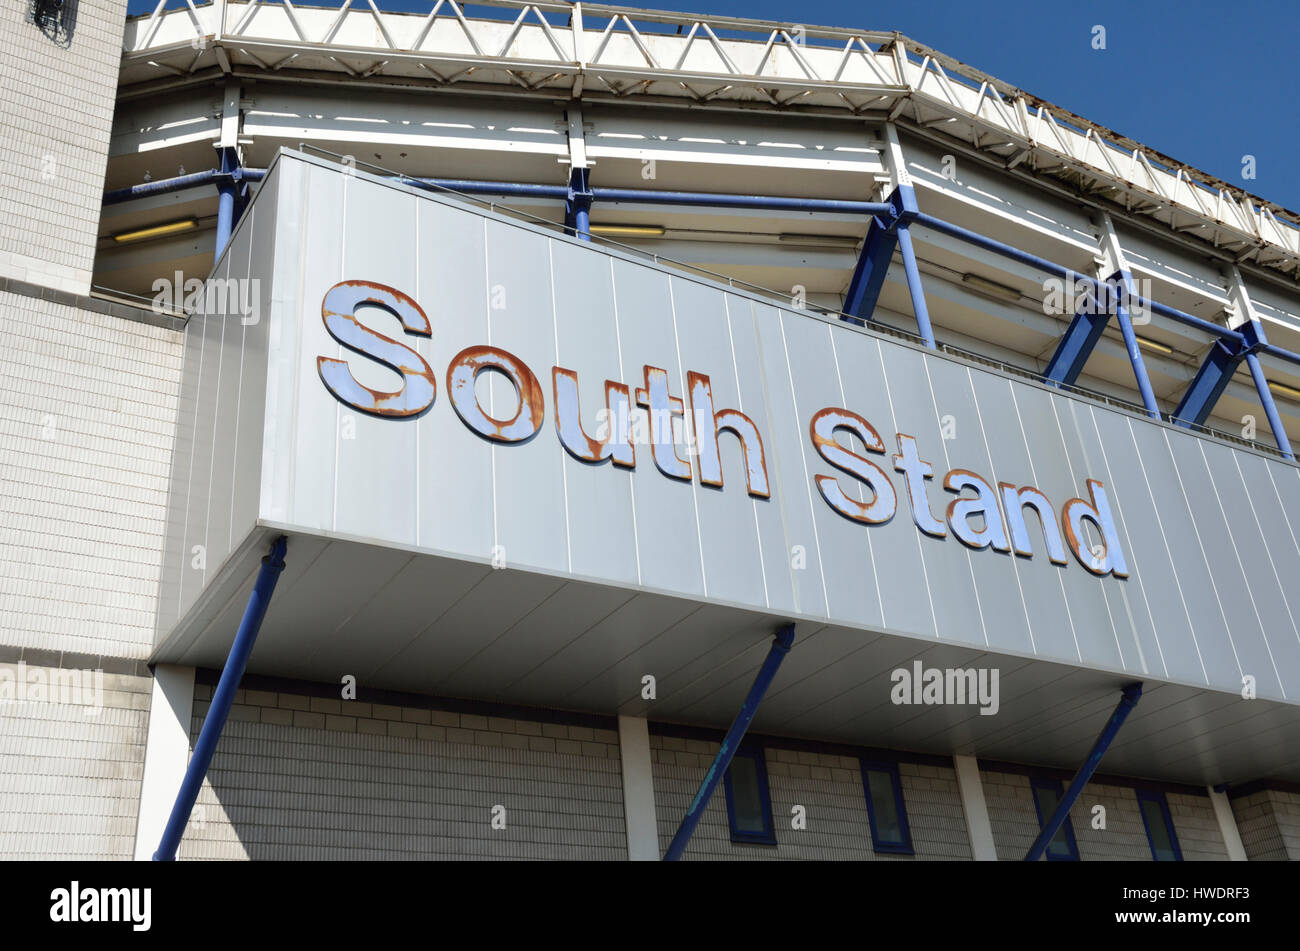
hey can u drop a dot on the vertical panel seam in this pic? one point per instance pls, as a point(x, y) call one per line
point(920, 550)
point(1137, 450)
point(803, 458)
point(1200, 544)
point(947, 463)
point(1033, 474)
point(1136, 575)
point(1015, 563)
point(1236, 552)
point(871, 549)
point(687, 430)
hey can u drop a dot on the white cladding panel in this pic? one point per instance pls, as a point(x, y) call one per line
point(1207, 531)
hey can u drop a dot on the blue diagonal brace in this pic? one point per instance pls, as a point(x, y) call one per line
point(869, 273)
point(731, 742)
point(1086, 328)
point(1132, 694)
point(1211, 380)
point(206, 745)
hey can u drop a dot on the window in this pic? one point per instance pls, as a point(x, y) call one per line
point(749, 807)
point(1159, 825)
point(885, 809)
point(1047, 795)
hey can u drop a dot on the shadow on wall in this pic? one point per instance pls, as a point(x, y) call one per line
point(57, 19)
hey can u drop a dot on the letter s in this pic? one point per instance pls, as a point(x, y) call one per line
point(881, 508)
point(338, 311)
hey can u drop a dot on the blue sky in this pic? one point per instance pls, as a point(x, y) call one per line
point(1204, 82)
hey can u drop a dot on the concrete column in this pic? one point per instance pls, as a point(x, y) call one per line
point(1227, 825)
point(167, 753)
point(978, 827)
point(638, 789)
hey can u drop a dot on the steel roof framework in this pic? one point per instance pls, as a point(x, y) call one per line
point(596, 51)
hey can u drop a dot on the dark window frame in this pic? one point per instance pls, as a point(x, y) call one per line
point(758, 754)
point(1053, 785)
point(1158, 798)
point(904, 845)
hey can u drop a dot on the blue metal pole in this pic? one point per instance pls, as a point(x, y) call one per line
point(730, 743)
point(767, 202)
point(1132, 694)
point(506, 189)
point(1270, 408)
point(225, 218)
point(914, 285)
point(1139, 365)
point(227, 192)
point(999, 247)
point(1164, 310)
point(1279, 352)
point(577, 204)
point(222, 698)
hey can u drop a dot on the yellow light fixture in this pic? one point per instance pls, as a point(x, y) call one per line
point(629, 231)
point(992, 288)
point(1152, 345)
point(157, 231)
point(1281, 389)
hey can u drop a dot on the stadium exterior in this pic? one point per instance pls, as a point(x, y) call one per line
point(574, 384)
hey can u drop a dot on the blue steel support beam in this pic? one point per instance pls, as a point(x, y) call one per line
point(873, 262)
point(1132, 694)
point(1086, 327)
point(1216, 373)
point(869, 273)
point(577, 205)
point(227, 191)
point(1207, 386)
point(222, 698)
point(165, 186)
point(730, 743)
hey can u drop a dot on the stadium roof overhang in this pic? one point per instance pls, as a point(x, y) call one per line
point(408, 621)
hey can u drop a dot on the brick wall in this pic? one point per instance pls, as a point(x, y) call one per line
point(1197, 828)
point(1269, 823)
point(1015, 821)
point(311, 778)
point(69, 777)
point(828, 786)
point(56, 115)
point(88, 404)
